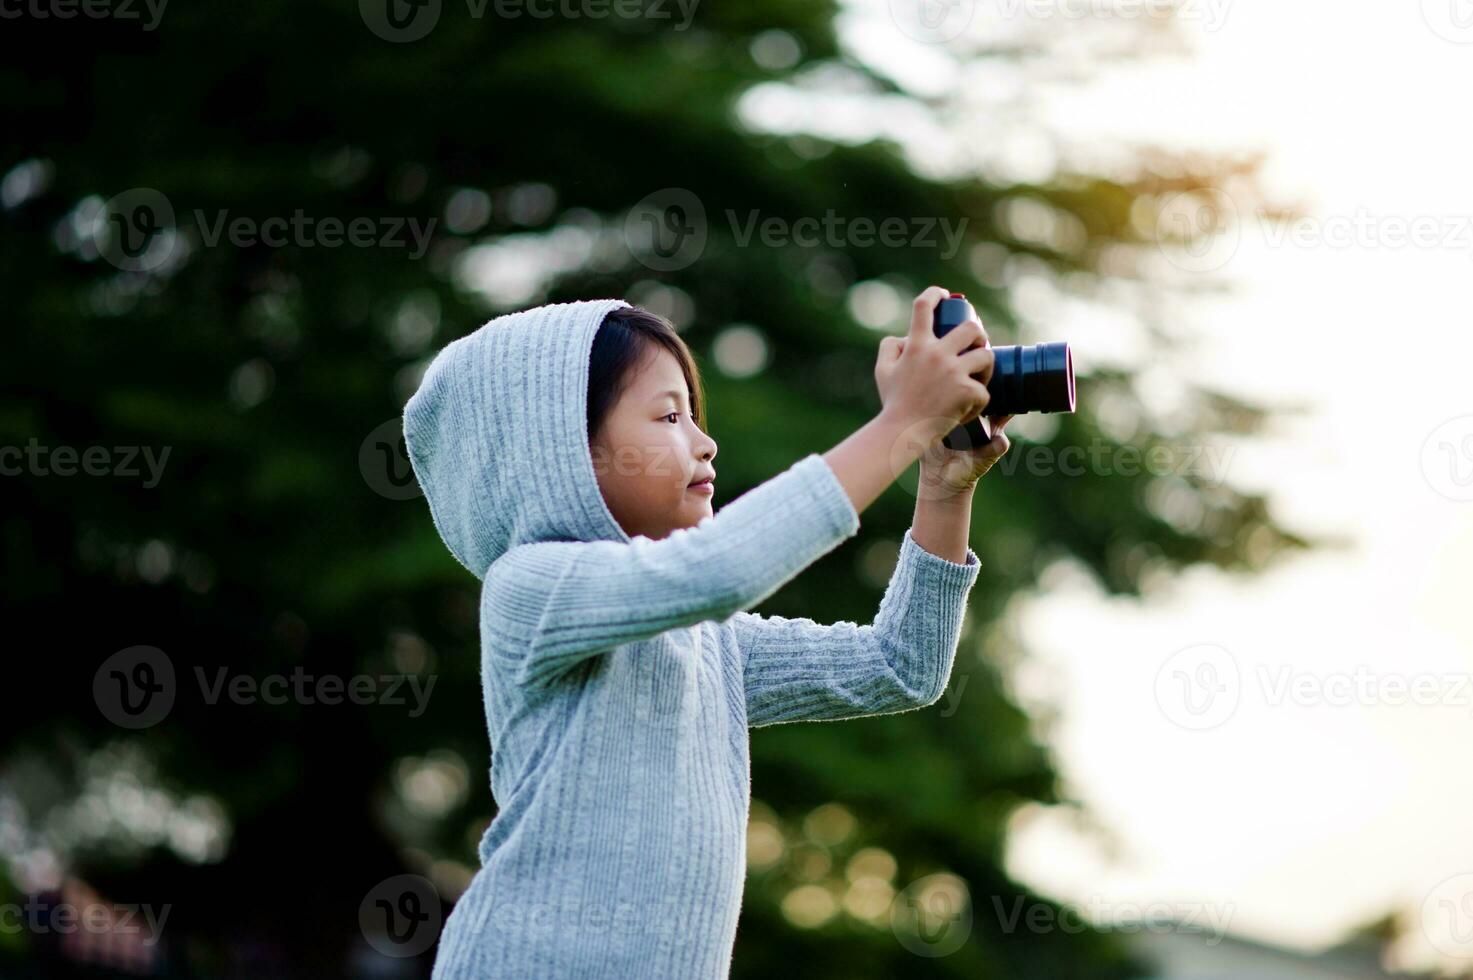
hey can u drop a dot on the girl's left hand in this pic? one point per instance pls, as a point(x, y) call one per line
point(948, 472)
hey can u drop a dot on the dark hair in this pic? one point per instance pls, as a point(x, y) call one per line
point(624, 337)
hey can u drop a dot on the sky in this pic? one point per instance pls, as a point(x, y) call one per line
point(1286, 753)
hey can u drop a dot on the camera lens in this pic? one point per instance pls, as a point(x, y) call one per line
point(1035, 378)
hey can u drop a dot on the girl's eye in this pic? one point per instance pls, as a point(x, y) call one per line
point(675, 416)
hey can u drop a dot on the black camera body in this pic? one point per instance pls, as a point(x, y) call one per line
point(1033, 378)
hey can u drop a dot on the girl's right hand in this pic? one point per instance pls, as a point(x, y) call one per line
point(925, 380)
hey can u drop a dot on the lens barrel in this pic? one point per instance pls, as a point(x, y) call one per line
point(1037, 378)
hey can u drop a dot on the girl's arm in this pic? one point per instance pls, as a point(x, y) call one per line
point(798, 670)
point(550, 604)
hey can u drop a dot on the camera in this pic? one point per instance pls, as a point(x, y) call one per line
point(1032, 378)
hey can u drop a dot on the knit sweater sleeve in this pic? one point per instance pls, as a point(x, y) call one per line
point(798, 670)
point(552, 604)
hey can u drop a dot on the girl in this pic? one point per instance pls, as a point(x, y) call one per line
point(565, 459)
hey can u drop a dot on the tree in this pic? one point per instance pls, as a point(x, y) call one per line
point(185, 285)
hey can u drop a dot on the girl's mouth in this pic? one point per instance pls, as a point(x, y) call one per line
point(705, 486)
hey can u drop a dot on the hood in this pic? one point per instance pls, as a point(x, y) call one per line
point(498, 434)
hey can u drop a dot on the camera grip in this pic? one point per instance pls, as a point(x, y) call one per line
point(951, 312)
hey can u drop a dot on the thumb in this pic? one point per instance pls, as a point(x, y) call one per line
point(923, 311)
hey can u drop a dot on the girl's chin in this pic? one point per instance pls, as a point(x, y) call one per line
point(695, 513)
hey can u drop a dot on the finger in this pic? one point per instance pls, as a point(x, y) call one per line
point(964, 335)
point(923, 311)
point(979, 363)
point(995, 446)
point(891, 348)
point(985, 341)
point(983, 398)
point(1002, 423)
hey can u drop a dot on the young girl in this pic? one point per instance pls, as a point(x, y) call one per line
point(565, 459)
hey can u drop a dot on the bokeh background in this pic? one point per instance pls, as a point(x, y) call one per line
point(1211, 710)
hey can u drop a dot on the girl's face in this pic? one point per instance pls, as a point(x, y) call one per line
point(649, 451)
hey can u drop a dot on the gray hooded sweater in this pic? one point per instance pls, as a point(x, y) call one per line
point(621, 674)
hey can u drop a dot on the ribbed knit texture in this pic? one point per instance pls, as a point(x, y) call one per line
point(621, 674)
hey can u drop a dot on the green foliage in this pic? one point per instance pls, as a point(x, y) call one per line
point(264, 549)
